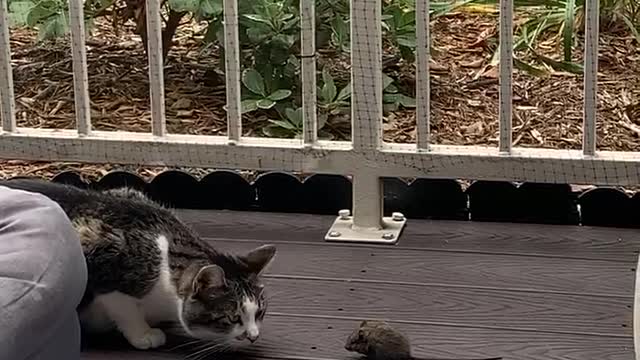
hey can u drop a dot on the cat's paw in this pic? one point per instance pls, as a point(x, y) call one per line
point(151, 339)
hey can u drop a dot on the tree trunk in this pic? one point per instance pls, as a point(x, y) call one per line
point(167, 34)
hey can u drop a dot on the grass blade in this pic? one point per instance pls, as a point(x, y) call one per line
point(521, 65)
point(566, 66)
point(632, 28)
point(569, 15)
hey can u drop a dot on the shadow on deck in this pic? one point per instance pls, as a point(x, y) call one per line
point(460, 290)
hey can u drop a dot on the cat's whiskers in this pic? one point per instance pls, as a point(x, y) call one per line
point(198, 348)
point(206, 351)
point(176, 330)
point(187, 344)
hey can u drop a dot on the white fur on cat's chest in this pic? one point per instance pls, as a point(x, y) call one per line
point(159, 305)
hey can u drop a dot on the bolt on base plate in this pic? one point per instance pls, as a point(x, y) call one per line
point(342, 230)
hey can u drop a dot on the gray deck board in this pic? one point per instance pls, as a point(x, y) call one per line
point(459, 289)
point(499, 238)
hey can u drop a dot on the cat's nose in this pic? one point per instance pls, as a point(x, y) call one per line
point(253, 336)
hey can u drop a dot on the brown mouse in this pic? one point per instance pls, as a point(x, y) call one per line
point(380, 341)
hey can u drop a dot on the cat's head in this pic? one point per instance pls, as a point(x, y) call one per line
point(225, 301)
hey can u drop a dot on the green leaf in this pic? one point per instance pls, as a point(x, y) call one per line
point(392, 89)
point(184, 5)
point(249, 105)
point(267, 72)
point(292, 22)
point(42, 11)
point(568, 29)
point(295, 116)
point(258, 18)
point(211, 8)
point(386, 81)
point(265, 104)
point(284, 40)
point(388, 107)
point(279, 52)
point(561, 65)
point(285, 17)
point(521, 65)
point(407, 101)
point(345, 93)
point(495, 58)
point(54, 26)
point(408, 19)
point(19, 11)
point(289, 24)
point(339, 33)
point(259, 34)
point(406, 40)
point(213, 30)
point(277, 131)
point(328, 91)
point(254, 82)
point(322, 120)
point(407, 54)
point(283, 124)
point(390, 98)
point(279, 95)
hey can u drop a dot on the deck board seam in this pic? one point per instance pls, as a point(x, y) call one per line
point(425, 249)
point(443, 285)
point(289, 357)
point(456, 325)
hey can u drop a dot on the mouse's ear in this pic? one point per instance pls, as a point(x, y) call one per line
point(361, 333)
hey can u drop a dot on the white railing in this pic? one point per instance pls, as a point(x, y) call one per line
point(366, 158)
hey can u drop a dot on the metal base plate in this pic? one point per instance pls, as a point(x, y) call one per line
point(342, 231)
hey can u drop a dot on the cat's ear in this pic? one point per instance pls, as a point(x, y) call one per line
point(210, 276)
point(259, 258)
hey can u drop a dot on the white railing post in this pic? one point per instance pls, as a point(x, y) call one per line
point(366, 75)
point(506, 74)
point(156, 68)
point(308, 55)
point(592, 17)
point(7, 100)
point(366, 106)
point(80, 76)
point(232, 71)
point(423, 80)
point(367, 200)
point(367, 223)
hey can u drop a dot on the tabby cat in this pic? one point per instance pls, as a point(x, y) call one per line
point(146, 267)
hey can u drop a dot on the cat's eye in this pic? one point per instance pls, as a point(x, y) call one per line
point(234, 319)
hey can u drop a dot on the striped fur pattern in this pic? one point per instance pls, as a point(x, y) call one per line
point(147, 268)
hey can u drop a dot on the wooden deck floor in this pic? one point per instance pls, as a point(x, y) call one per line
point(458, 289)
